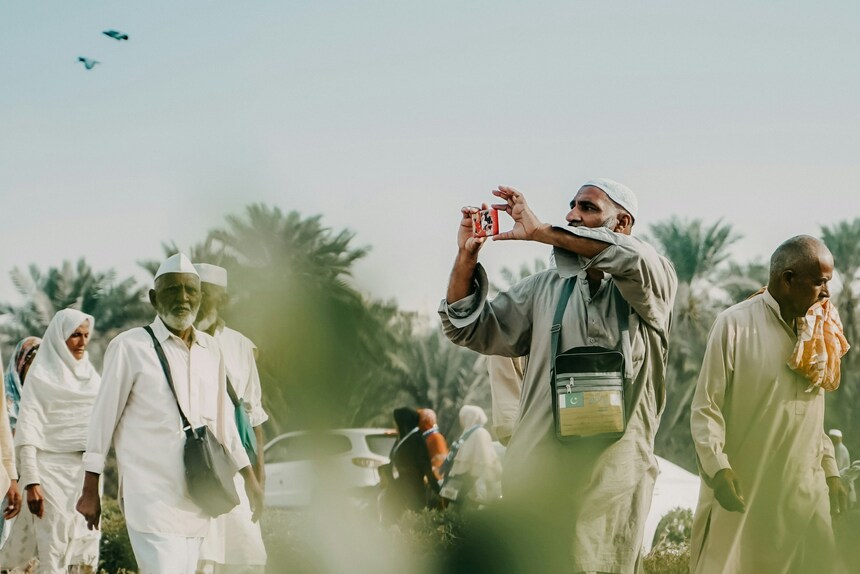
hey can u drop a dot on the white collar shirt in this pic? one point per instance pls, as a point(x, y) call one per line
point(136, 409)
point(241, 368)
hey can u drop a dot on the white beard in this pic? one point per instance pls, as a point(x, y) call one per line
point(178, 323)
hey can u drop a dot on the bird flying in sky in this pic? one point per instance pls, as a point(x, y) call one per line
point(115, 35)
point(88, 64)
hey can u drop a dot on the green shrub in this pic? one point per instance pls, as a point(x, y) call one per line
point(668, 558)
point(287, 535)
point(670, 553)
point(115, 553)
point(674, 528)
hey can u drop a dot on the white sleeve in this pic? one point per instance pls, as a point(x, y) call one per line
point(117, 382)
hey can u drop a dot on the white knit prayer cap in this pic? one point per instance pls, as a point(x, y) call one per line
point(212, 274)
point(617, 192)
point(835, 432)
point(178, 263)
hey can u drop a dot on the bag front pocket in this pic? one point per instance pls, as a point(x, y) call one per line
point(589, 401)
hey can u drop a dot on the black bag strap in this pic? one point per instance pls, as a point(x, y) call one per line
point(622, 313)
point(165, 366)
point(555, 331)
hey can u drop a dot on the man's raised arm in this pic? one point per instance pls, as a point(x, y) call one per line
point(460, 282)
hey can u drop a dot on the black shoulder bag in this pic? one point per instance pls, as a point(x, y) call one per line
point(588, 391)
point(209, 470)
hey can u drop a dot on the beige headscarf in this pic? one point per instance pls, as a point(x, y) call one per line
point(58, 398)
point(476, 455)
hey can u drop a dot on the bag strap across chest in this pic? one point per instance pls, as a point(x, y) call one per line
point(622, 313)
point(165, 366)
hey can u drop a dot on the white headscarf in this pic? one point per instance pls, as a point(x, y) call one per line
point(58, 398)
point(476, 455)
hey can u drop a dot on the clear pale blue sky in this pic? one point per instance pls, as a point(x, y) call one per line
point(370, 112)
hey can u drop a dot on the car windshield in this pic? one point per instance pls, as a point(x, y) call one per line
point(381, 443)
point(307, 446)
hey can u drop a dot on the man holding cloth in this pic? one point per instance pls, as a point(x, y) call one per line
point(234, 542)
point(769, 476)
point(136, 410)
point(592, 495)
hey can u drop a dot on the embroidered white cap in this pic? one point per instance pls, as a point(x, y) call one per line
point(617, 192)
point(212, 274)
point(178, 263)
point(835, 432)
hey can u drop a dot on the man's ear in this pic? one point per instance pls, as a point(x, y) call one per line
point(152, 298)
point(625, 223)
point(787, 276)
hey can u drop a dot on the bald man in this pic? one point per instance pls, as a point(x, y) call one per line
point(592, 494)
point(769, 476)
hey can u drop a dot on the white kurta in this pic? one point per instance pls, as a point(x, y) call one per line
point(593, 495)
point(233, 538)
point(136, 409)
point(751, 413)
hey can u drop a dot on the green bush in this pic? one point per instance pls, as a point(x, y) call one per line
point(674, 528)
point(433, 539)
point(115, 553)
point(668, 558)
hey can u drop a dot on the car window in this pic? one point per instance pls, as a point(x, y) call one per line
point(381, 443)
point(307, 446)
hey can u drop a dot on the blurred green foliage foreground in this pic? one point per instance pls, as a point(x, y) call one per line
point(429, 539)
point(335, 540)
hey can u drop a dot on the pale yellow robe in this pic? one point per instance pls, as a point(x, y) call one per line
point(751, 413)
point(592, 497)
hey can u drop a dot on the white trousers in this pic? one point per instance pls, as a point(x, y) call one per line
point(164, 553)
point(62, 537)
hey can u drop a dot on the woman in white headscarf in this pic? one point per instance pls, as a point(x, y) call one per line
point(475, 476)
point(51, 437)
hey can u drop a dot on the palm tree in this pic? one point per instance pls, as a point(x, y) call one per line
point(205, 252)
point(696, 251)
point(328, 355)
point(444, 377)
point(739, 281)
point(843, 239)
point(115, 304)
point(511, 277)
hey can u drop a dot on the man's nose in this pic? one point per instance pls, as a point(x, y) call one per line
point(572, 216)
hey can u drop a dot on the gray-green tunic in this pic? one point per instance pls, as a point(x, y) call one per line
point(596, 493)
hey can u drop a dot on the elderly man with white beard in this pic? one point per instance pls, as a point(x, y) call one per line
point(137, 411)
point(612, 292)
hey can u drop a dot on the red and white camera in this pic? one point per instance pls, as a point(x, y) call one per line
point(485, 222)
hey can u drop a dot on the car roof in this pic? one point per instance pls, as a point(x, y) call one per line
point(342, 431)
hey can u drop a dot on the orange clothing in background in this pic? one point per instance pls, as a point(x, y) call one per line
point(437, 446)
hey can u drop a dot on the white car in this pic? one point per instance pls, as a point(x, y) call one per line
point(294, 461)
